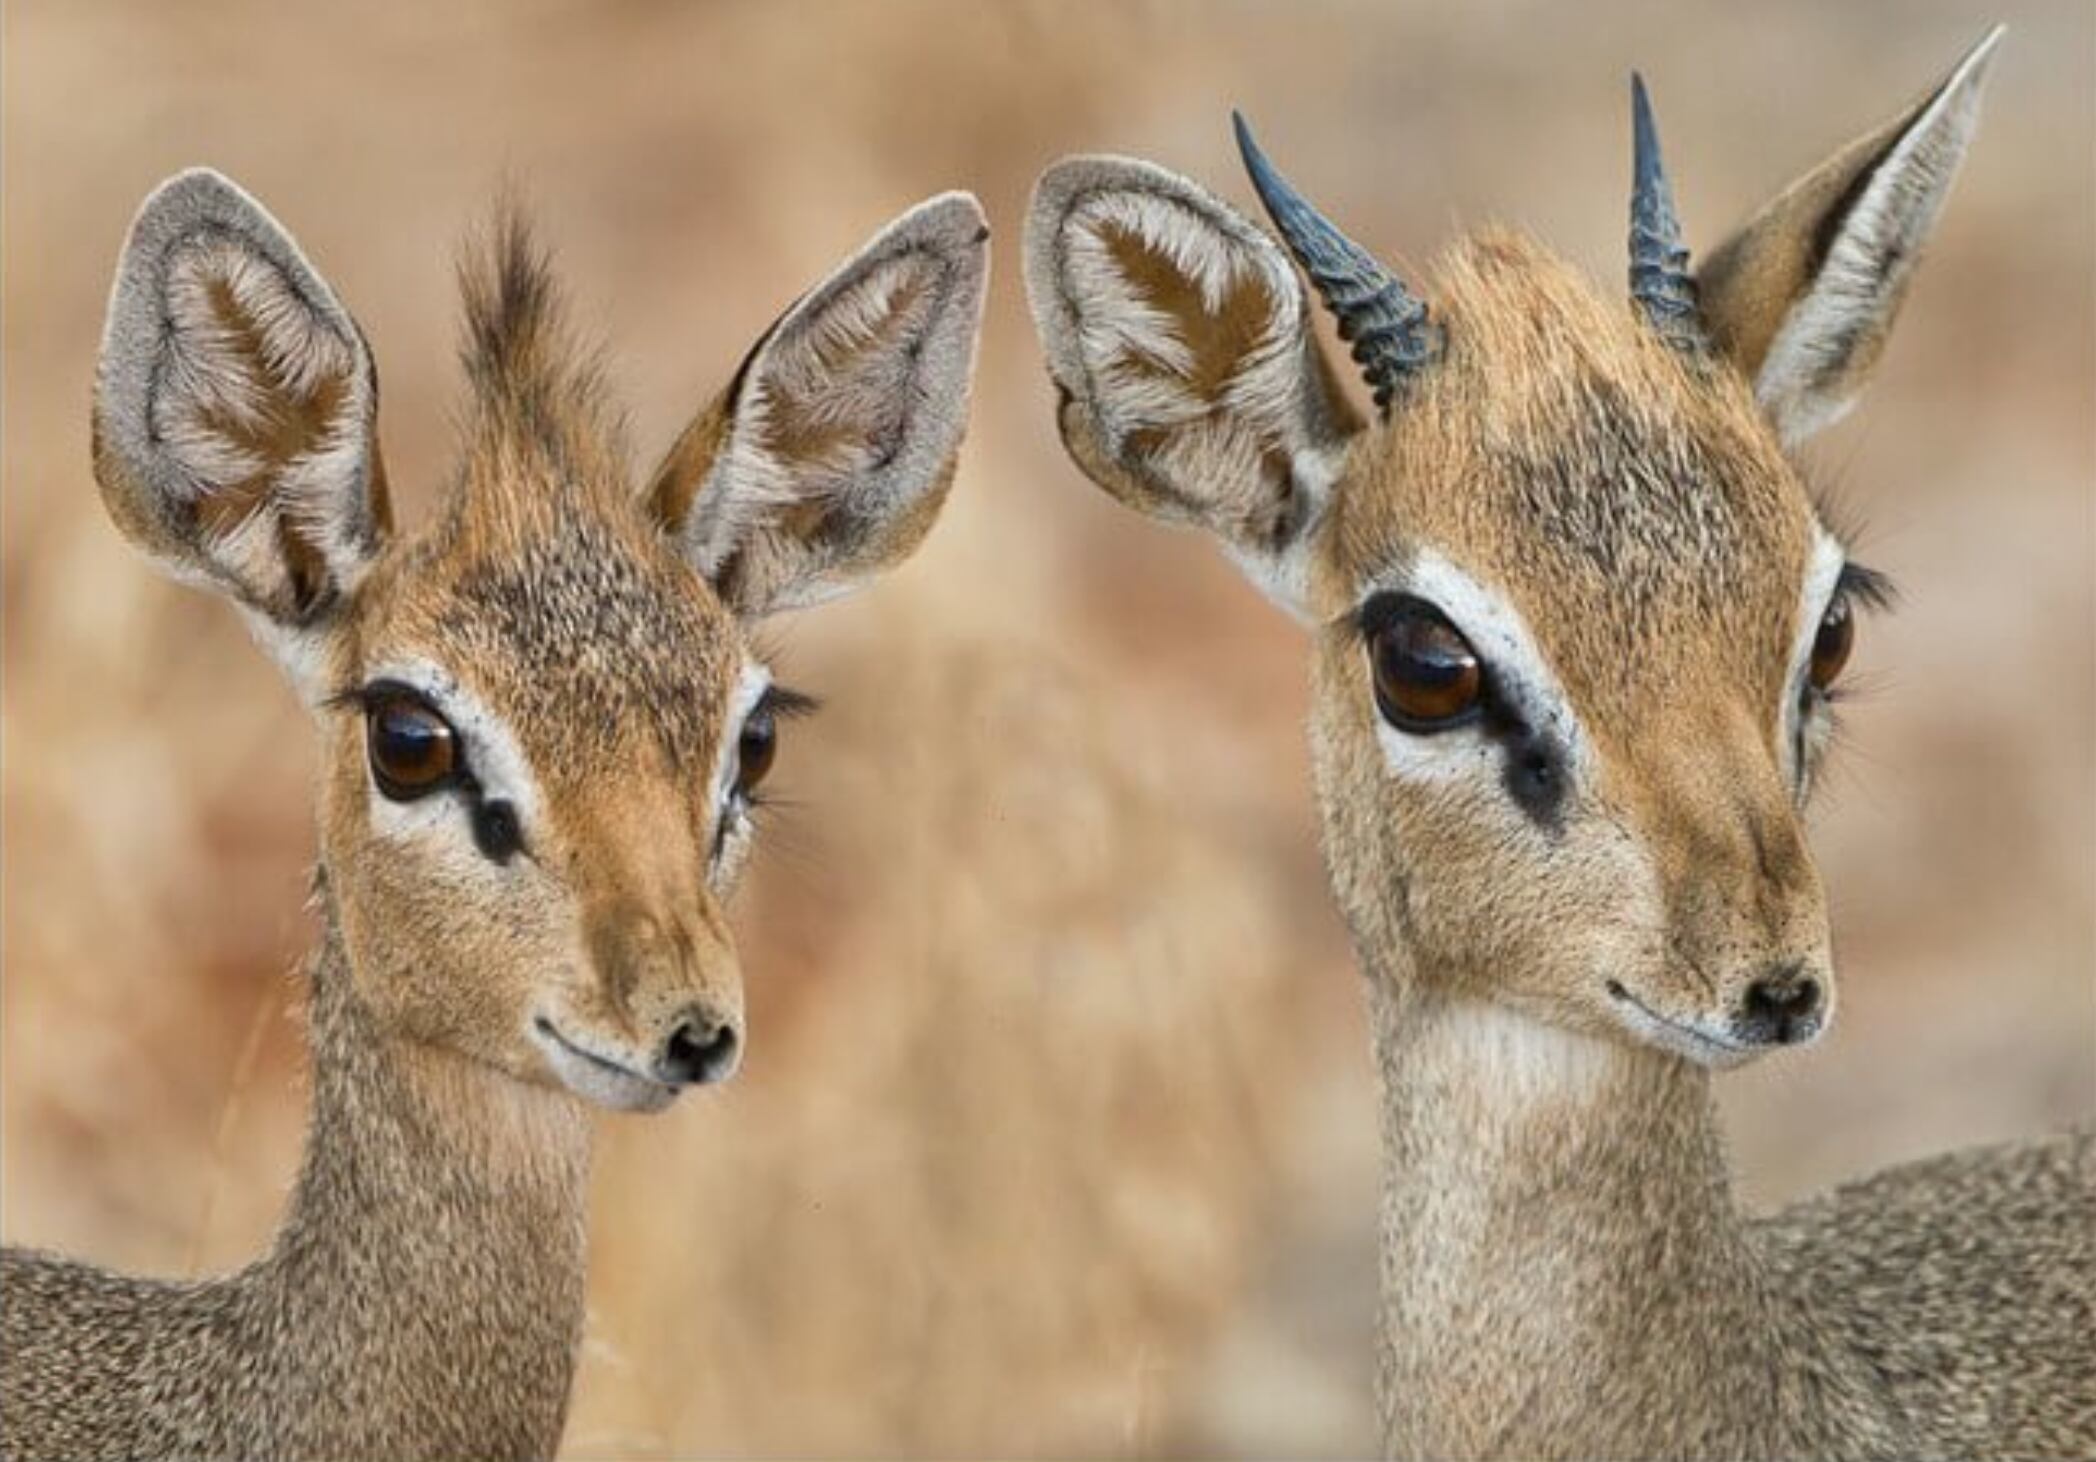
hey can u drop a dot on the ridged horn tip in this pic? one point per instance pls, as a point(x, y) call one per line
point(1660, 283)
point(1649, 169)
point(1387, 327)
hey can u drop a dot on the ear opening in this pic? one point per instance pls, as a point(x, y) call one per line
point(1191, 385)
point(1803, 297)
point(830, 453)
point(235, 408)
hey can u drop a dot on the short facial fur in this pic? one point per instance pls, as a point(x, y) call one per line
point(1617, 534)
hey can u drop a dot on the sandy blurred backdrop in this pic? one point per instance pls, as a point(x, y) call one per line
point(1056, 1135)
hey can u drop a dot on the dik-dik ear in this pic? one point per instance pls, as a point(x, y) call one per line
point(236, 412)
point(830, 453)
point(1190, 384)
point(1803, 296)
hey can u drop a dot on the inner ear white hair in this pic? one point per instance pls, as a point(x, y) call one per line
point(235, 411)
point(1805, 294)
point(1178, 335)
point(832, 451)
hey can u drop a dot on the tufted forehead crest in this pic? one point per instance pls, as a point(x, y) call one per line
point(538, 395)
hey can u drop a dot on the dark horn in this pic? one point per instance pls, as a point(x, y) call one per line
point(1660, 284)
point(1386, 326)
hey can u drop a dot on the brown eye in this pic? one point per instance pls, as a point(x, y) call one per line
point(413, 750)
point(1426, 675)
point(757, 750)
point(1831, 646)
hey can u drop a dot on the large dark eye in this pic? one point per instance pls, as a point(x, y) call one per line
point(1426, 675)
point(1831, 646)
point(413, 749)
point(757, 749)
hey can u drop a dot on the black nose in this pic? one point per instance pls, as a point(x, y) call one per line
point(701, 1048)
point(1781, 1008)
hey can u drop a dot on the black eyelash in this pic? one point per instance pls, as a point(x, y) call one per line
point(1382, 607)
point(364, 697)
point(1866, 586)
point(763, 803)
point(788, 704)
point(1842, 517)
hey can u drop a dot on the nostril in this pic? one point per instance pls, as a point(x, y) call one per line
point(1782, 1006)
point(1792, 997)
point(700, 1049)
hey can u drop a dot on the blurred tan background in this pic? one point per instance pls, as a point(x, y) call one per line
point(1056, 1135)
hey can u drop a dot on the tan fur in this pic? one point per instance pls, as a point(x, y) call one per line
point(1564, 906)
point(424, 1295)
point(1654, 549)
point(677, 480)
point(1804, 295)
point(1749, 286)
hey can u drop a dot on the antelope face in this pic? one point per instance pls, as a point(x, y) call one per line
point(545, 752)
point(1566, 709)
point(1577, 624)
point(544, 729)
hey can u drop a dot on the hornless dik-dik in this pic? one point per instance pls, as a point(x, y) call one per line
point(542, 729)
point(1578, 635)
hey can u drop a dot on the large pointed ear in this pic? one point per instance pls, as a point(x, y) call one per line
point(1803, 296)
point(1190, 384)
point(830, 453)
point(236, 412)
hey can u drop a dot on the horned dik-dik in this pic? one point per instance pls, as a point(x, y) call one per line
point(543, 727)
point(1578, 633)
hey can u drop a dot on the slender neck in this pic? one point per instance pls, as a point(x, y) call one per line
point(425, 1293)
point(1563, 1270)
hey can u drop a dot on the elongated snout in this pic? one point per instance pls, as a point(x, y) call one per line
point(1746, 965)
point(658, 1006)
point(674, 974)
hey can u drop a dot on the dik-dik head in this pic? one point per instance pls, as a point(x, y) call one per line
point(543, 722)
point(1579, 627)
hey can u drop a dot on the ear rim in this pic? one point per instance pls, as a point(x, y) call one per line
point(1332, 420)
point(953, 229)
point(141, 491)
point(1800, 383)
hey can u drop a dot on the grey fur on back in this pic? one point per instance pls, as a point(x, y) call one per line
point(1965, 1286)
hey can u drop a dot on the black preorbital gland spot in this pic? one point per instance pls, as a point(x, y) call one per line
point(495, 830)
point(1535, 778)
point(1533, 768)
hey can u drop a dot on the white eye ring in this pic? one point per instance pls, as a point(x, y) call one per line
point(1804, 716)
point(1498, 636)
point(731, 806)
point(500, 771)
